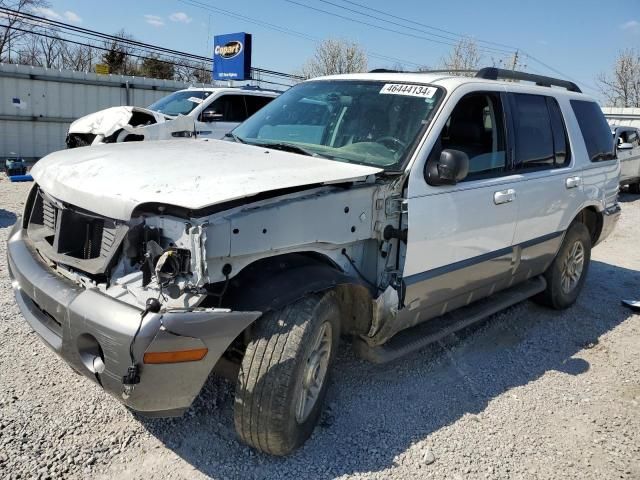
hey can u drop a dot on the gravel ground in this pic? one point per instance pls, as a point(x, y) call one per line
point(531, 393)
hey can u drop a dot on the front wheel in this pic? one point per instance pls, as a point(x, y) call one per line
point(284, 374)
point(566, 274)
point(634, 188)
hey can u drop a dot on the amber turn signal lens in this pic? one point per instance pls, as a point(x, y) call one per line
point(175, 357)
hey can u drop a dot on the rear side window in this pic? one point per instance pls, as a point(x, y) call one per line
point(534, 147)
point(255, 103)
point(560, 141)
point(595, 130)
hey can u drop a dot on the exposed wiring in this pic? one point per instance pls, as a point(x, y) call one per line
point(364, 279)
point(220, 295)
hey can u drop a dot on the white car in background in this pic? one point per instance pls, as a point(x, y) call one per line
point(194, 112)
point(627, 141)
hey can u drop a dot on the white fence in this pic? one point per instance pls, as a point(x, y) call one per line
point(622, 116)
point(38, 104)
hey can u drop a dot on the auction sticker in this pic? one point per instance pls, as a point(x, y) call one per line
point(195, 99)
point(409, 90)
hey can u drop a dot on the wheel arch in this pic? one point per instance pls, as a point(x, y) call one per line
point(273, 282)
point(593, 220)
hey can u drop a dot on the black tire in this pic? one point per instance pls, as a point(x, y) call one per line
point(272, 374)
point(634, 188)
point(556, 295)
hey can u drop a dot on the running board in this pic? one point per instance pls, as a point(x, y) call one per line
point(418, 337)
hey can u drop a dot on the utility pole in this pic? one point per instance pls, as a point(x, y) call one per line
point(515, 60)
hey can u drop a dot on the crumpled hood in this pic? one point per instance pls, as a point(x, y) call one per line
point(106, 122)
point(112, 180)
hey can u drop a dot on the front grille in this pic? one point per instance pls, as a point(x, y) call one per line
point(49, 216)
point(68, 234)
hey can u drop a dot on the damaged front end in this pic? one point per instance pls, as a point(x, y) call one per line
point(119, 301)
point(127, 124)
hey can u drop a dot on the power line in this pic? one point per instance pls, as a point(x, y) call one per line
point(36, 19)
point(501, 50)
point(378, 27)
point(511, 50)
point(142, 57)
point(287, 31)
point(558, 72)
point(431, 27)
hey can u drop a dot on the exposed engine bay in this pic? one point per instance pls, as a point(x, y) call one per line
point(127, 124)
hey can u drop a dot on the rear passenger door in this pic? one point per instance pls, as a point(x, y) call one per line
point(549, 189)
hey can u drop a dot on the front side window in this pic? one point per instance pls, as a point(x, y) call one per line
point(632, 138)
point(595, 130)
point(366, 122)
point(227, 108)
point(179, 103)
point(476, 127)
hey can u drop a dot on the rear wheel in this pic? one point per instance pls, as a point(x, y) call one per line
point(566, 275)
point(283, 377)
point(634, 188)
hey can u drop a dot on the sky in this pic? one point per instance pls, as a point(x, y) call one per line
point(578, 38)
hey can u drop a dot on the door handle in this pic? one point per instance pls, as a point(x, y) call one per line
point(504, 196)
point(572, 182)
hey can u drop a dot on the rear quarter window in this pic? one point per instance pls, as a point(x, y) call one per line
point(595, 130)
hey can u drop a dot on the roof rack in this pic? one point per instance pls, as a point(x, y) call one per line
point(256, 87)
point(492, 73)
point(386, 70)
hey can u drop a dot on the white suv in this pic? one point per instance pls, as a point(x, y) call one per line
point(627, 140)
point(194, 112)
point(394, 208)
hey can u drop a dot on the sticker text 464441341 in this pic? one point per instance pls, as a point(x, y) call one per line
point(409, 90)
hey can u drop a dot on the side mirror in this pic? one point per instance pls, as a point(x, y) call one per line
point(211, 116)
point(625, 146)
point(449, 169)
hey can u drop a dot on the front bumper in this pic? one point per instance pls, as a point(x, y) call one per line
point(92, 332)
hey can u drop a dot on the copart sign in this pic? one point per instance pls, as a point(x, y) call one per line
point(232, 56)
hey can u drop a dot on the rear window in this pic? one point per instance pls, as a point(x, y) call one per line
point(595, 130)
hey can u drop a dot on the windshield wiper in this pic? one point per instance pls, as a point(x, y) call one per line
point(234, 136)
point(290, 147)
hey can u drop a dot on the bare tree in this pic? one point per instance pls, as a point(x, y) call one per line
point(42, 50)
point(622, 86)
point(78, 57)
point(119, 56)
point(464, 56)
point(51, 50)
point(192, 71)
point(334, 56)
point(14, 26)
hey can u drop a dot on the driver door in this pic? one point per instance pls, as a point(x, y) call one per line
point(459, 245)
point(221, 116)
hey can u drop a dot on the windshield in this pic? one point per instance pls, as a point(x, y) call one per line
point(372, 123)
point(179, 103)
